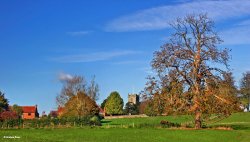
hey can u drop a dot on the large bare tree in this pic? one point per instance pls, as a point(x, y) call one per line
point(93, 90)
point(193, 56)
point(72, 86)
point(70, 89)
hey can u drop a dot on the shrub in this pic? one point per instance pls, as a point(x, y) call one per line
point(95, 121)
point(8, 115)
point(167, 124)
point(131, 108)
point(47, 122)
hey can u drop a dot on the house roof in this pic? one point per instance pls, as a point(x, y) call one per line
point(101, 110)
point(60, 110)
point(29, 109)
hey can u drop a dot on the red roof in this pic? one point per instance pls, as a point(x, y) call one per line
point(60, 110)
point(101, 110)
point(29, 109)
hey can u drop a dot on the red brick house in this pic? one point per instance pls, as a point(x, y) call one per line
point(30, 112)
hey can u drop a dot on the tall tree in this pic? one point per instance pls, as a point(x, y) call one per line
point(70, 89)
point(79, 106)
point(193, 55)
point(114, 104)
point(17, 109)
point(173, 92)
point(131, 108)
point(165, 95)
point(4, 103)
point(245, 89)
point(74, 85)
point(103, 103)
point(93, 90)
point(142, 106)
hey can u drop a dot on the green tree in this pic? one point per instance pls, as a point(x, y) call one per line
point(150, 108)
point(103, 103)
point(17, 109)
point(131, 108)
point(4, 103)
point(114, 104)
point(245, 90)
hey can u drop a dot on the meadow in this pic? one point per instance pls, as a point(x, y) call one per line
point(114, 130)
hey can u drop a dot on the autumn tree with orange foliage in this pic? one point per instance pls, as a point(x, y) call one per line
point(77, 98)
point(79, 106)
point(190, 73)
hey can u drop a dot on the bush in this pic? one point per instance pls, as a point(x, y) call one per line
point(131, 108)
point(167, 124)
point(47, 122)
point(8, 115)
point(95, 121)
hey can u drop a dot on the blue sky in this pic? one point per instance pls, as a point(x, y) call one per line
point(42, 42)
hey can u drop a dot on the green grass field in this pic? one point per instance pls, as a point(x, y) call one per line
point(146, 120)
point(103, 134)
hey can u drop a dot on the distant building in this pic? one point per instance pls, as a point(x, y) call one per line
point(44, 114)
point(133, 98)
point(56, 113)
point(53, 113)
point(245, 109)
point(30, 112)
point(101, 111)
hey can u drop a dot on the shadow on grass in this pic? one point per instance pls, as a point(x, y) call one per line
point(240, 127)
point(233, 126)
point(105, 121)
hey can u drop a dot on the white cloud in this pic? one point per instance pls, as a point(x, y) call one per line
point(238, 34)
point(79, 33)
point(159, 17)
point(64, 76)
point(129, 62)
point(244, 23)
point(93, 57)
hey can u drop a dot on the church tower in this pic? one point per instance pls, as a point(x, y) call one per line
point(133, 98)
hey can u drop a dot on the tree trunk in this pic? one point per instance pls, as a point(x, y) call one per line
point(197, 84)
point(198, 112)
point(197, 120)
